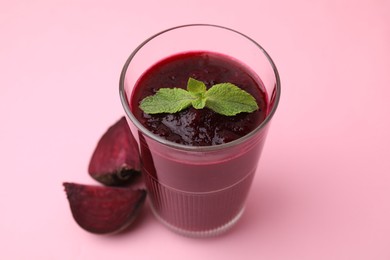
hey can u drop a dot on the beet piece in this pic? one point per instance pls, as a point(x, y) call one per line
point(103, 210)
point(116, 160)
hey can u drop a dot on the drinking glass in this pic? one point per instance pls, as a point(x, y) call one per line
point(199, 190)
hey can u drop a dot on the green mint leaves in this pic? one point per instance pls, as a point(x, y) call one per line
point(167, 100)
point(224, 98)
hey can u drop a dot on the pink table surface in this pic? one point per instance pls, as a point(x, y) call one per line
point(322, 190)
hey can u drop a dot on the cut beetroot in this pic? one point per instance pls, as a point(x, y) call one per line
point(102, 210)
point(116, 159)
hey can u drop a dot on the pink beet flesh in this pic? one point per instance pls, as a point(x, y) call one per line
point(116, 159)
point(102, 210)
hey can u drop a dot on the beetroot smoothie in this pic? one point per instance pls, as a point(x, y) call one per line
point(199, 191)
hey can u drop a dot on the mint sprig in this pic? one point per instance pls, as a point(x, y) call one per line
point(224, 98)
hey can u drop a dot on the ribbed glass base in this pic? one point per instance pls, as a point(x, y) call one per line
point(199, 234)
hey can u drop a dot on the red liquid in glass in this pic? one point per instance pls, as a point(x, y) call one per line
point(192, 191)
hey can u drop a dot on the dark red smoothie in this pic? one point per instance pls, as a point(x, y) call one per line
point(199, 127)
point(199, 191)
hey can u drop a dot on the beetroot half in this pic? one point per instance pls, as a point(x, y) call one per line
point(116, 159)
point(102, 210)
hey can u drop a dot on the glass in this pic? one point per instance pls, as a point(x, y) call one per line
point(199, 190)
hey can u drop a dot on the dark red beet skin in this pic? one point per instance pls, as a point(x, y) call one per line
point(103, 210)
point(199, 127)
point(116, 159)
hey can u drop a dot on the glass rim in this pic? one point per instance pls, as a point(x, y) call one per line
point(163, 141)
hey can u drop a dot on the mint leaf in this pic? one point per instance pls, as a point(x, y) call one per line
point(229, 100)
point(199, 103)
point(167, 100)
point(198, 89)
point(195, 86)
point(224, 98)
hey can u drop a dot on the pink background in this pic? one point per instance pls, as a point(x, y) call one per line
point(323, 188)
